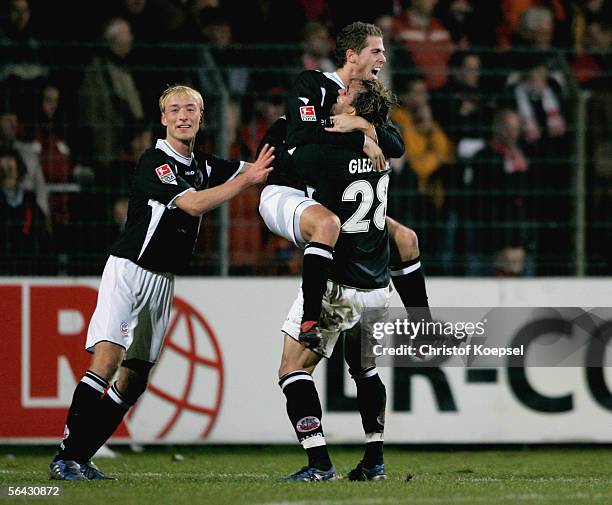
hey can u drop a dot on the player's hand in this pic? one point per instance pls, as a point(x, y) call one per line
point(345, 123)
point(257, 172)
point(374, 152)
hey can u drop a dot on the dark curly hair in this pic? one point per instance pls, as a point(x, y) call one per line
point(373, 102)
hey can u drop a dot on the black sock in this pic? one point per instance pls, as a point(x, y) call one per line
point(79, 423)
point(315, 272)
point(409, 282)
point(304, 410)
point(372, 400)
point(112, 408)
point(373, 454)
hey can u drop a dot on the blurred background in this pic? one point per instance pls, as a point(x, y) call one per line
point(506, 111)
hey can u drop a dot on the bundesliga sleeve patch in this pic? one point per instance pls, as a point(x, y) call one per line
point(307, 113)
point(165, 174)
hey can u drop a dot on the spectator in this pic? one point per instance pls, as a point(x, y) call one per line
point(24, 236)
point(55, 159)
point(463, 106)
point(539, 102)
point(23, 65)
point(499, 240)
point(428, 43)
point(584, 13)
point(29, 152)
point(538, 99)
point(593, 66)
point(428, 153)
point(463, 20)
point(109, 99)
point(316, 48)
point(427, 146)
point(533, 23)
point(465, 110)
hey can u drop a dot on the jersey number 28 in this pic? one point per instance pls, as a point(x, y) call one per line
point(356, 223)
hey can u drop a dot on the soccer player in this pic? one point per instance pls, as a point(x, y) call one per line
point(290, 213)
point(345, 181)
point(170, 193)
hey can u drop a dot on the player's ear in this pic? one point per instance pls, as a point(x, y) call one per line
point(351, 56)
point(163, 120)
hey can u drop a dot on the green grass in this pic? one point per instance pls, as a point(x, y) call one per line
point(246, 475)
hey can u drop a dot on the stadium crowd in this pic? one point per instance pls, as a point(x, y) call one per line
point(488, 113)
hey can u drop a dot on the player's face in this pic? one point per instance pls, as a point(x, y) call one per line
point(182, 117)
point(344, 102)
point(370, 60)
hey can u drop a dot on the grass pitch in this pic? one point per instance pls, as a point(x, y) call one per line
point(246, 475)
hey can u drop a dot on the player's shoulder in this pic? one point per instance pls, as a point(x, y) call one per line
point(152, 158)
point(311, 77)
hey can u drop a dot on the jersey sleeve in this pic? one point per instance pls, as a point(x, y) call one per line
point(217, 170)
point(390, 141)
point(156, 178)
point(275, 135)
point(304, 113)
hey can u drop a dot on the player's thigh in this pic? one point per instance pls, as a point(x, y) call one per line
point(133, 309)
point(296, 357)
point(281, 209)
point(320, 224)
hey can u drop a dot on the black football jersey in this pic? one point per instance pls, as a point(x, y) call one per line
point(308, 109)
point(158, 235)
point(344, 181)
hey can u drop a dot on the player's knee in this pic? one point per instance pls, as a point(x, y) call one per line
point(329, 228)
point(133, 380)
point(106, 360)
point(407, 242)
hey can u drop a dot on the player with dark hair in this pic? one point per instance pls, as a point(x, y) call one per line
point(357, 292)
point(171, 192)
point(291, 213)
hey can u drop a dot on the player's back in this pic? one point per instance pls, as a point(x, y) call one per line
point(345, 182)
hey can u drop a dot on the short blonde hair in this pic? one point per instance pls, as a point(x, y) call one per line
point(178, 89)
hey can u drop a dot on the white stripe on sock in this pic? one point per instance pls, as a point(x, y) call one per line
point(314, 441)
point(319, 252)
point(117, 399)
point(374, 437)
point(369, 373)
point(407, 270)
point(299, 377)
point(92, 383)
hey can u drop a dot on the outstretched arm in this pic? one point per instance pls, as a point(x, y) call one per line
point(196, 203)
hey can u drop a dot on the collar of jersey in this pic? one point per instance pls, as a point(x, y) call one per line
point(333, 76)
point(167, 148)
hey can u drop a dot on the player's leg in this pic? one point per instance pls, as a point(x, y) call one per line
point(87, 403)
point(406, 271)
point(304, 409)
point(287, 212)
point(121, 396)
point(320, 229)
point(371, 400)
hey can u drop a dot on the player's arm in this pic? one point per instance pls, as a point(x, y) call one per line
point(304, 113)
point(196, 203)
point(387, 137)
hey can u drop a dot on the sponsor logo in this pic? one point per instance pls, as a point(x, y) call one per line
point(124, 328)
point(306, 424)
point(307, 113)
point(165, 174)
